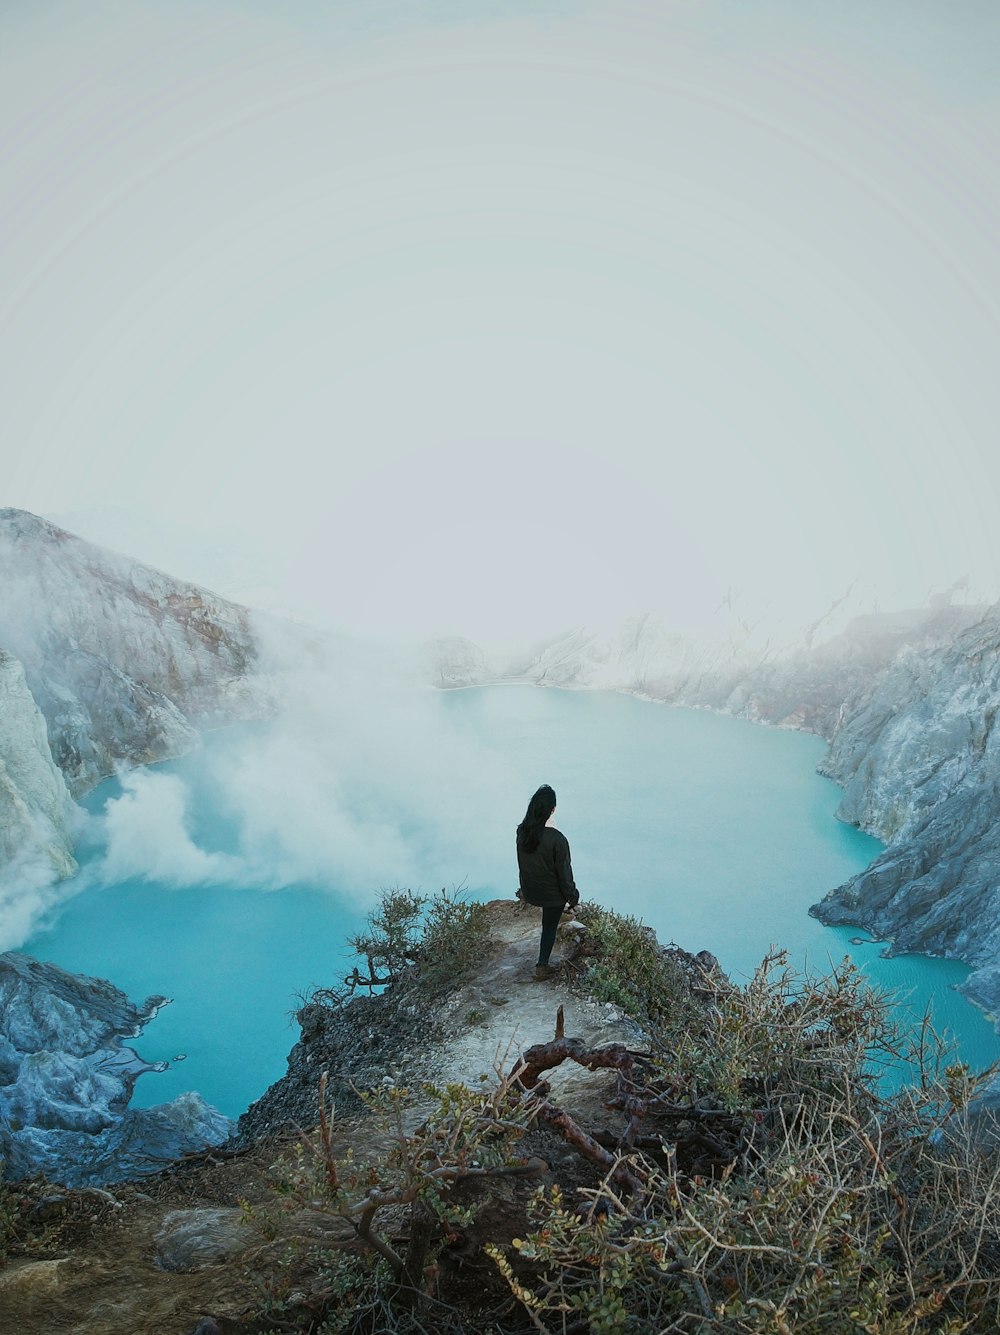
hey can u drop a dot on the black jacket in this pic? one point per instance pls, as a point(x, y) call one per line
point(546, 874)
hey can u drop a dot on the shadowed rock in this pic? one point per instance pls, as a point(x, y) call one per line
point(66, 1078)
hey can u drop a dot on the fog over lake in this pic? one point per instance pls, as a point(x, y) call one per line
point(715, 831)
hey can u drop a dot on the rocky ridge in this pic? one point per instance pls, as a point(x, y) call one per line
point(805, 680)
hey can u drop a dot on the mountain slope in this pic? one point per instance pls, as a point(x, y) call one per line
point(124, 662)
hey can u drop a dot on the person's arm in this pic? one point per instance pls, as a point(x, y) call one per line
point(564, 873)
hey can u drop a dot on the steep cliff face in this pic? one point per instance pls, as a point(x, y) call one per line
point(918, 754)
point(124, 662)
point(36, 812)
point(817, 687)
point(920, 731)
point(66, 1077)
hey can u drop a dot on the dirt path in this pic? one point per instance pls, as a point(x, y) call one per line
point(103, 1272)
point(505, 1009)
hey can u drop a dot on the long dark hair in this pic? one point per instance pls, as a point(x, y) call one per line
point(540, 808)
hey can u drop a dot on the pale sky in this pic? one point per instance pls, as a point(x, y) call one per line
point(491, 318)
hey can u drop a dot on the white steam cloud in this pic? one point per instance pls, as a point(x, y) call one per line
point(363, 780)
point(27, 894)
point(148, 836)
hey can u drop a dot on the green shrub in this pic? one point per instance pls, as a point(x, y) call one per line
point(426, 943)
point(454, 941)
point(627, 966)
point(776, 1190)
point(391, 943)
point(366, 1282)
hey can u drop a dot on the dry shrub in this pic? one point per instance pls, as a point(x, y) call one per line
point(775, 1189)
point(379, 1210)
point(757, 1180)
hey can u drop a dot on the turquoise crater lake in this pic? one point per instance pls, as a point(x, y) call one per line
point(717, 832)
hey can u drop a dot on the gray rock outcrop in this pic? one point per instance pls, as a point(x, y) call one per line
point(66, 1077)
point(191, 1239)
point(918, 755)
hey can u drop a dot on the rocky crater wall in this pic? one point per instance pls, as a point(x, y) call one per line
point(918, 755)
point(124, 662)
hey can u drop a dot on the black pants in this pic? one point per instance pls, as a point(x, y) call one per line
point(550, 921)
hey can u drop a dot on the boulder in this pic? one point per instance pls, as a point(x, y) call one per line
point(191, 1239)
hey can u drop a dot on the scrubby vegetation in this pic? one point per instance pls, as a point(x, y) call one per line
point(755, 1179)
point(431, 942)
point(626, 966)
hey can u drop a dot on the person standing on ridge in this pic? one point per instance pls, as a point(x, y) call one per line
point(545, 870)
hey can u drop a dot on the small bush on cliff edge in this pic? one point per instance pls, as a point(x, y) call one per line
point(762, 1182)
point(427, 943)
point(626, 965)
point(382, 1210)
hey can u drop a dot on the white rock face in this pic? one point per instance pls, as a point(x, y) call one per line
point(458, 662)
point(103, 663)
point(124, 662)
point(36, 811)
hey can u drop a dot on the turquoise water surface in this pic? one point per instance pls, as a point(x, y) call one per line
point(717, 832)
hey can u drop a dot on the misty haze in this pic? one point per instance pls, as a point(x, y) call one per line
point(410, 405)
